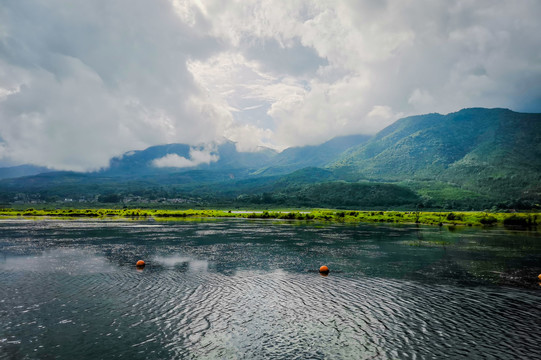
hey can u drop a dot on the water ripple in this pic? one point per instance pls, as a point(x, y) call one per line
point(208, 297)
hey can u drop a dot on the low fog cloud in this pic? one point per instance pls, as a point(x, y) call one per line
point(197, 157)
point(82, 81)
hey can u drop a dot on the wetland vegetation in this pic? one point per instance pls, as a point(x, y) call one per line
point(472, 218)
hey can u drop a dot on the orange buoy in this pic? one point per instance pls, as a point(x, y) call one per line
point(140, 263)
point(324, 270)
point(539, 276)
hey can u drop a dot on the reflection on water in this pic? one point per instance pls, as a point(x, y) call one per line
point(70, 261)
point(194, 265)
point(251, 289)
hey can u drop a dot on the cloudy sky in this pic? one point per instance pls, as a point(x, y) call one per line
point(82, 81)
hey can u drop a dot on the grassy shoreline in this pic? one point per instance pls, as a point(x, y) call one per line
point(474, 218)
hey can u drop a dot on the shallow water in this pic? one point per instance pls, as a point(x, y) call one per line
point(242, 289)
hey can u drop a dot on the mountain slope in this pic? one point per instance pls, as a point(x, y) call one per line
point(265, 162)
point(295, 158)
point(486, 150)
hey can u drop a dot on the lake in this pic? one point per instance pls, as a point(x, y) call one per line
point(250, 289)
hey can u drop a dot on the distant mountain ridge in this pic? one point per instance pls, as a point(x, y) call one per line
point(264, 162)
point(141, 162)
point(22, 170)
point(473, 158)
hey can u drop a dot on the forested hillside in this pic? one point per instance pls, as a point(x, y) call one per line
point(472, 159)
point(492, 152)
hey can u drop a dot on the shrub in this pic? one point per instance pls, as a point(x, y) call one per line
point(489, 220)
point(453, 216)
point(516, 221)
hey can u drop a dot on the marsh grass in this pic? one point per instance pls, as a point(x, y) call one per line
point(349, 216)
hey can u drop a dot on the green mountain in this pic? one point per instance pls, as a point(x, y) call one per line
point(265, 162)
point(307, 187)
point(295, 158)
point(233, 174)
point(472, 159)
point(493, 152)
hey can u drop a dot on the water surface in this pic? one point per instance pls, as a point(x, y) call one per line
point(242, 289)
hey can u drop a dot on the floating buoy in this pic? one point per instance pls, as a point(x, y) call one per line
point(324, 270)
point(140, 264)
point(539, 276)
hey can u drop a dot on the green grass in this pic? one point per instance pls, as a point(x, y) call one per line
point(401, 217)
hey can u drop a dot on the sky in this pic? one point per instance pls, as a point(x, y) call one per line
point(82, 81)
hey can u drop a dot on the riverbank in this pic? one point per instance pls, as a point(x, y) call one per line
point(429, 218)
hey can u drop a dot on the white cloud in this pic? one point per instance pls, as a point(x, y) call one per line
point(81, 81)
point(420, 98)
point(172, 160)
point(203, 156)
point(99, 78)
point(382, 114)
point(197, 157)
point(250, 138)
point(405, 57)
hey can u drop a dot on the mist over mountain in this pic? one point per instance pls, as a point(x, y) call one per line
point(22, 170)
point(223, 157)
point(473, 158)
point(226, 158)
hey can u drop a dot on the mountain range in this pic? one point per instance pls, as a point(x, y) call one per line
point(472, 159)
